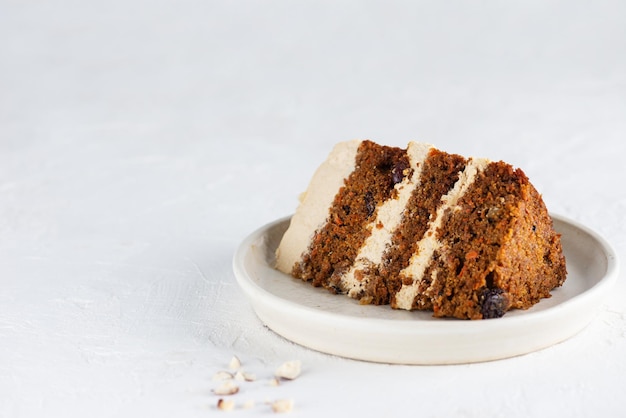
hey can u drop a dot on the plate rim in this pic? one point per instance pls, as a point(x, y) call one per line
point(446, 326)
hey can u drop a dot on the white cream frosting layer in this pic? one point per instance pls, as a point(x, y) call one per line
point(389, 216)
point(315, 203)
point(429, 243)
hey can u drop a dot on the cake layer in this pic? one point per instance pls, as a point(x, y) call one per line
point(411, 241)
point(363, 281)
point(334, 247)
point(413, 278)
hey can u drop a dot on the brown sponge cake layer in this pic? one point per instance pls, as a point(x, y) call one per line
point(333, 248)
point(471, 240)
point(418, 276)
point(441, 170)
point(364, 280)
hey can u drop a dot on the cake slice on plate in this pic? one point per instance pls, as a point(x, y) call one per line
point(419, 228)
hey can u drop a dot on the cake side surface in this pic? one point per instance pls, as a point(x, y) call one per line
point(531, 258)
point(492, 256)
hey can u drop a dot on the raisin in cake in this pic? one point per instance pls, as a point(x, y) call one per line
point(419, 228)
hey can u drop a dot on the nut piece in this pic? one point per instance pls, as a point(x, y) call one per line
point(282, 405)
point(235, 363)
point(225, 405)
point(226, 388)
point(274, 382)
point(289, 370)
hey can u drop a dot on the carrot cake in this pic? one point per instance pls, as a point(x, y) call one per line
point(419, 228)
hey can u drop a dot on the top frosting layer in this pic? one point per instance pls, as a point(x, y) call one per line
point(312, 212)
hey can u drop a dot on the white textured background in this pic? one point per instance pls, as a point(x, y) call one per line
point(141, 141)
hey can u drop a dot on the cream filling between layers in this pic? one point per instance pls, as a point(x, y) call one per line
point(315, 202)
point(389, 216)
point(427, 246)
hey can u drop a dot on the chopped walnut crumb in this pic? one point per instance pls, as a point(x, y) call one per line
point(228, 385)
point(226, 388)
point(289, 370)
point(235, 363)
point(225, 405)
point(282, 405)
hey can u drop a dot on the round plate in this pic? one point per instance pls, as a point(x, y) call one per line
point(337, 324)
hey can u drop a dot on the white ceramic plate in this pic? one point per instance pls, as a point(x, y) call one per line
point(337, 324)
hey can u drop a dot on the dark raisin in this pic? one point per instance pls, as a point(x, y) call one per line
point(370, 205)
point(397, 173)
point(494, 303)
point(534, 228)
point(346, 209)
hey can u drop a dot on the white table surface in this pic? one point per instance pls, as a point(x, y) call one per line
point(140, 142)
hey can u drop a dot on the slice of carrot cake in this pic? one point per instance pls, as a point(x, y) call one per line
point(419, 228)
